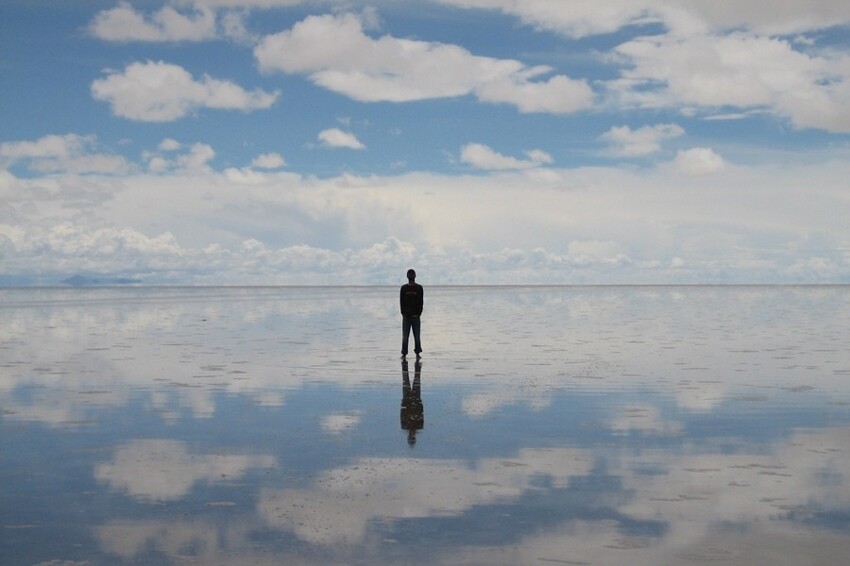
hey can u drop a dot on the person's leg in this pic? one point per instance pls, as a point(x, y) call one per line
point(405, 334)
point(417, 345)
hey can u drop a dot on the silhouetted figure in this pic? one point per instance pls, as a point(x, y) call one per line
point(411, 299)
point(412, 411)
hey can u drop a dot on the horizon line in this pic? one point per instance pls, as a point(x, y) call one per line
point(393, 285)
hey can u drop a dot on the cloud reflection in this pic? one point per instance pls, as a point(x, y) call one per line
point(648, 426)
point(342, 503)
point(163, 470)
point(70, 354)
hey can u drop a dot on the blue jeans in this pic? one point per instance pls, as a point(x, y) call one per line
point(408, 323)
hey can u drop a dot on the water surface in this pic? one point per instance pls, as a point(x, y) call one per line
point(544, 425)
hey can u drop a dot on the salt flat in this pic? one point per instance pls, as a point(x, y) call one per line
point(577, 425)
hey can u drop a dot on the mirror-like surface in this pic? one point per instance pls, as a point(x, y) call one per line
point(544, 425)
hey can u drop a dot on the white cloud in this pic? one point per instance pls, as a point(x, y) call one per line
point(739, 70)
point(483, 157)
point(699, 161)
point(169, 144)
point(245, 176)
point(782, 17)
point(69, 153)
point(268, 161)
point(244, 3)
point(557, 95)
point(196, 22)
point(719, 69)
point(124, 23)
point(400, 70)
point(714, 55)
point(235, 28)
point(586, 252)
point(334, 137)
point(583, 18)
point(76, 247)
point(643, 141)
point(579, 19)
point(693, 219)
point(162, 92)
point(195, 160)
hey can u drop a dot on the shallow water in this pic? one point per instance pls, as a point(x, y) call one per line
point(547, 425)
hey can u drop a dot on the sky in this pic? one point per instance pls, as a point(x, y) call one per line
point(263, 142)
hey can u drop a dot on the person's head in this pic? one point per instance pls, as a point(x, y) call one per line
point(411, 275)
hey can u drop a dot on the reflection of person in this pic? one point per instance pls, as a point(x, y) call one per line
point(412, 411)
point(410, 300)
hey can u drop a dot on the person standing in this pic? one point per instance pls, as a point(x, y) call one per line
point(410, 300)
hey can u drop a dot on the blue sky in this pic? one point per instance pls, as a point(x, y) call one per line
point(481, 141)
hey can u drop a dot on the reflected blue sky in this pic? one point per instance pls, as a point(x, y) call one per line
point(591, 425)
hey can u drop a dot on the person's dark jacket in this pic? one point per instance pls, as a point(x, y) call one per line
point(410, 299)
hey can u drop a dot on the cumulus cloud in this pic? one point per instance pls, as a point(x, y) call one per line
point(557, 95)
point(235, 28)
point(483, 157)
point(594, 251)
point(737, 70)
point(66, 241)
point(581, 19)
point(244, 3)
point(245, 175)
point(163, 92)
point(590, 17)
point(334, 137)
point(68, 153)
point(169, 144)
point(642, 141)
point(124, 23)
point(714, 55)
point(194, 21)
point(268, 161)
point(169, 158)
point(783, 18)
point(400, 70)
point(197, 159)
point(699, 161)
point(186, 21)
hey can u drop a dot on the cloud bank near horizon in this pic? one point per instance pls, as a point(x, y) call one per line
point(528, 223)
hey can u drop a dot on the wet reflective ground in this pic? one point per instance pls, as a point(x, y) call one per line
point(545, 425)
